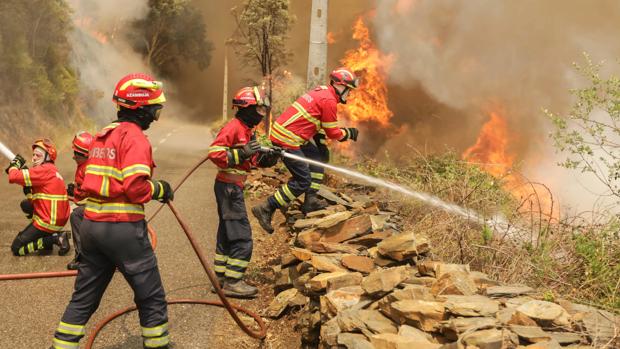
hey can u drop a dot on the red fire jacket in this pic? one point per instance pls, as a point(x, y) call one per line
point(118, 171)
point(49, 195)
point(313, 111)
point(224, 152)
point(78, 193)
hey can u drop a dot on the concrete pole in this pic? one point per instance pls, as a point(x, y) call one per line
point(225, 88)
point(317, 52)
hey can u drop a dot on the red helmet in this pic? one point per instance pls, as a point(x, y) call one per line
point(81, 142)
point(47, 145)
point(344, 76)
point(136, 90)
point(248, 96)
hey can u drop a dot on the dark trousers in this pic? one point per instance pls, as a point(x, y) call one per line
point(305, 178)
point(77, 215)
point(234, 235)
point(32, 239)
point(107, 246)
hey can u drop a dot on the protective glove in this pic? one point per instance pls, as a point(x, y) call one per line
point(18, 162)
point(350, 133)
point(27, 191)
point(27, 208)
point(249, 149)
point(71, 189)
point(162, 191)
point(268, 157)
point(321, 143)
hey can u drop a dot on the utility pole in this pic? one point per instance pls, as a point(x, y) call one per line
point(225, 88)
point(317, 52)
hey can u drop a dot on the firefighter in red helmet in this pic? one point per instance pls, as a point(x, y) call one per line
point(80, 145)
point(46, 204)
point(117, 183)
point(302, 130)
point(235, 151)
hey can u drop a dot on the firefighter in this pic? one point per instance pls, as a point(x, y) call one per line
point(47, 203)
point(80, 145)
point(113, 234)
point(302, 130)
point(234, 151)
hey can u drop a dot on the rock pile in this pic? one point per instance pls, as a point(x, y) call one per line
point(359, 282)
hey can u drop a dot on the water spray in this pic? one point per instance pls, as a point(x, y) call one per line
point(6, 151)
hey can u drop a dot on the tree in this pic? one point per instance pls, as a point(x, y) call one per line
point(260, 38)
point(590, 132)
point(172, 32)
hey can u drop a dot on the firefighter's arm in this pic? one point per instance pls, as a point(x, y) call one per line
point(219, 151)
point(35, 176)
point(329, 120)
point(135, 163)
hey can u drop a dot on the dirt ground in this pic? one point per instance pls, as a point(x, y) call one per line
point(32, 308)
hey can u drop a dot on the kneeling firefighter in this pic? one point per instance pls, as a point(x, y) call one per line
point(235, 151)
point(118, 183)
point(302, 130)
point(46, 204)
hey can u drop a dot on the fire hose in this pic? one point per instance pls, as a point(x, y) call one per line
point(231, 308)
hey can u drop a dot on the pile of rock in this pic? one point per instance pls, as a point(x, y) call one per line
point(359, 282)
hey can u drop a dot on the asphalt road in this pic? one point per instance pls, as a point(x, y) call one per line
point(31, 309)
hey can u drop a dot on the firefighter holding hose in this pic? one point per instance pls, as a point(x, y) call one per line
point(47, 203)
point(302, 130)
point(80, 145)
point(235, 151)
point(118, 182)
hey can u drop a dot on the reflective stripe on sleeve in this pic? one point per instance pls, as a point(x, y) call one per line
point(27, 180)
point(136, 169)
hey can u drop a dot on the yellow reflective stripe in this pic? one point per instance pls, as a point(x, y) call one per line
point(236, 155)
point(279, 198)
point(156, 342)
point(40, 244)
point(46, 225)
point(76, 330)
point(154, 331)
point(114, 207)
point(136, 169)
point(60, 344)
point(217, 148)
point(221, 258)
point(288, 133)
point(317, 175)
point(288, 192)
point(237, 263)
point(233, 274)
point(315, 185)
point(307, 115)
point(100, 170)
point(53, 197)
point(277, 136)
point(292, 119)
point(112, 125)
point(152, 188)
point(329, 124)
point(234, 170)
point(27, 180)
point(21, 251)
point(105, 187)
point(54, 212)
point(220, 268)
point(30, 247)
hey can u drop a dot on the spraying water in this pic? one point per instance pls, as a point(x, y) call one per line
point(6, 151)
point(424, 197)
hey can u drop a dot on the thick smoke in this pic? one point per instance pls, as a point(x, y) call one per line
point(460, 59)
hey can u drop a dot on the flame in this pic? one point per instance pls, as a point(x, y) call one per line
point(367, 103)
point(331, 38)
point(86, 24)
point(491, 152)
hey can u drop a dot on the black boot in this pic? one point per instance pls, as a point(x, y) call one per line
point(62, 240)
point(264, 214)
point(74, 264)
point(313, 203)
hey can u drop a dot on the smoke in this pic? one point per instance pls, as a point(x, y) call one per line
point(456, 60)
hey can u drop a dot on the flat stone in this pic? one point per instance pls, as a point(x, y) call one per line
point(327, 247)
point(403, 246)
point(508, 291)
point(384, 261)
point(428, 267)
point(384, 280)
point(358, 263)
point(344, 280)
point(346, 228)
point(545, 345)
point(520, 319)
point(565, 338)
point(284, 279)
point(280, 302)
point(326, 263)
point(410, 292)
point(330, 196)
point(305, 223)
point(365, 320)
point(414, 333)
point(354, 341)
point(378, 221)
point(288, 259)
point(343, 298)
point(420, 280)
point(482, 280)
point(319, 282)
point(545, 312)
point(333, 220)
point(489, 339)
point(330, 332)
point(600, 325)
point(394, 341)
point(455, 327)
point(319, 213)
point(301, 253)
point(455, 283)
point(308, 237)
point(371, 239)
point(445, 268)
point(424, 315)
point(532, 334)
point(471, 305)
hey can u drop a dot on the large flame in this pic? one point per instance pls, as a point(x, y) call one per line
point(86, 24)
point(367, 103)
point(491, 152)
